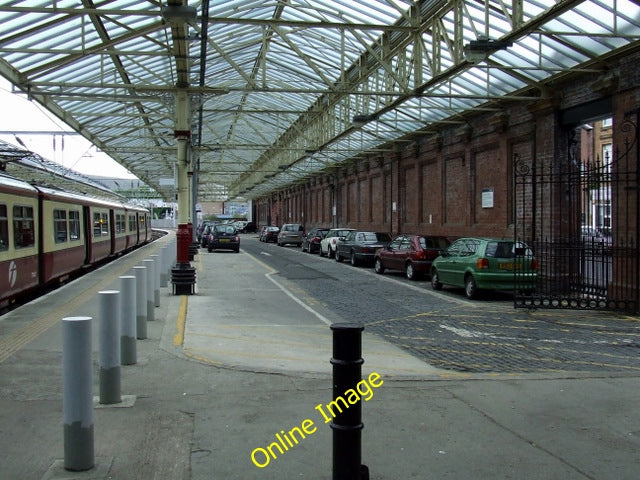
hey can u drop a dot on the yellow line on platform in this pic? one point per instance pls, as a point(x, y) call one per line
point(15, 341)
point(178, 338)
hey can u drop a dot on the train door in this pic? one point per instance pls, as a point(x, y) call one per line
point(112, 230)
point(147, 227)
point(88, 233)
point(139, 238)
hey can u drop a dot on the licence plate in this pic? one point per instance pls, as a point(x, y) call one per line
point(223, 240)
point(509, 266)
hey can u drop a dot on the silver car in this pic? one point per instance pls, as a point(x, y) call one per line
point(290, 233)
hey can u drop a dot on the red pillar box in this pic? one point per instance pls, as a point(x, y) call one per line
point(183, 275)
point(183, 237)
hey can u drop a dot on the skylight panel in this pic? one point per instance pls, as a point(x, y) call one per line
point(369, 12)
point(254, 9)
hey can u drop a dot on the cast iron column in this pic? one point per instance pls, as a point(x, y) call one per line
point(183, 275)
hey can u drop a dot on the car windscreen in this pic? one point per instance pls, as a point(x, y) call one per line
point(507, 249)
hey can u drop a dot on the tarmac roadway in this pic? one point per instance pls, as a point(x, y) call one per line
point(467, 390)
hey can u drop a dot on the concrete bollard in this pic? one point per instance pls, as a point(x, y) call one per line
point(157, 267)
point(77, 396)
point(171, 257)
point(128, 347)
point(141, 301)
point(109, 347)
point(164, 269)
point(347, 426)
point(149, 263)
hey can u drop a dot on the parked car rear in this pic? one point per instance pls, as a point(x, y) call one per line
point(206, 234)
point(224, 237)
point(269, 234)
point(411, 254)
point(485, 263)
point(361, 247)
point(290, 233)
point(330, 241)
point(311, 241)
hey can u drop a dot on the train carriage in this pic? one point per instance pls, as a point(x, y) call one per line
point(18, 238)
point(101, 245)
point(64, 246)
point(132, 236)
point(119, 223)
point(144, 226)
point(46, 234)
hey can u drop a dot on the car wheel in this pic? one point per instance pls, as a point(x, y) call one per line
point(209, 249)
point(321, 252)
point(470, 288)
point(377, 266)
point(435, 280)
point(354, 259)
point(410, 272)
point(338, 256)
point(237, 250)
point(330, 253)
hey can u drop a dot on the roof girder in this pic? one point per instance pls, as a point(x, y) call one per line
point(292, 116)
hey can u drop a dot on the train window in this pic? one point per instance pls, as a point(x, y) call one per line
point(121, 225)
point(132, 223)
point(97, 230)
point(74, 225)
point(23, 226)
point(4, 228)
point(60, 225)
point(104, 222)
point(100, 224)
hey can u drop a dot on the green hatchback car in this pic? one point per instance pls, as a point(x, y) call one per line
point(485, 263)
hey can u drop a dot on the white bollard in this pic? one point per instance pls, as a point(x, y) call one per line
point(141, 302)
point(110, 347)
point(149, 263)
point(164, 270)
point(77, 397)
point(128, 347)
point(157, 266)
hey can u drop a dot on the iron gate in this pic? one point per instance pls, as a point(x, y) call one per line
point(580, 217)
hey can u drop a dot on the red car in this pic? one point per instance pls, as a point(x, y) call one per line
point(269, 234)
point(412, 254)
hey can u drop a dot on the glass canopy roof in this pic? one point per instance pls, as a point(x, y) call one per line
point(282, 90)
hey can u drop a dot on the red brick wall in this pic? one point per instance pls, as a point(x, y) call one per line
point(436, 183)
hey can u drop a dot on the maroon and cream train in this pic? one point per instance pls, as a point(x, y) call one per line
point(46, 235)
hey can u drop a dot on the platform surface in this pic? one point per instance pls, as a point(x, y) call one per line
point(218, 378)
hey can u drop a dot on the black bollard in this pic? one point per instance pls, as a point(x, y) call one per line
point(347, 426)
